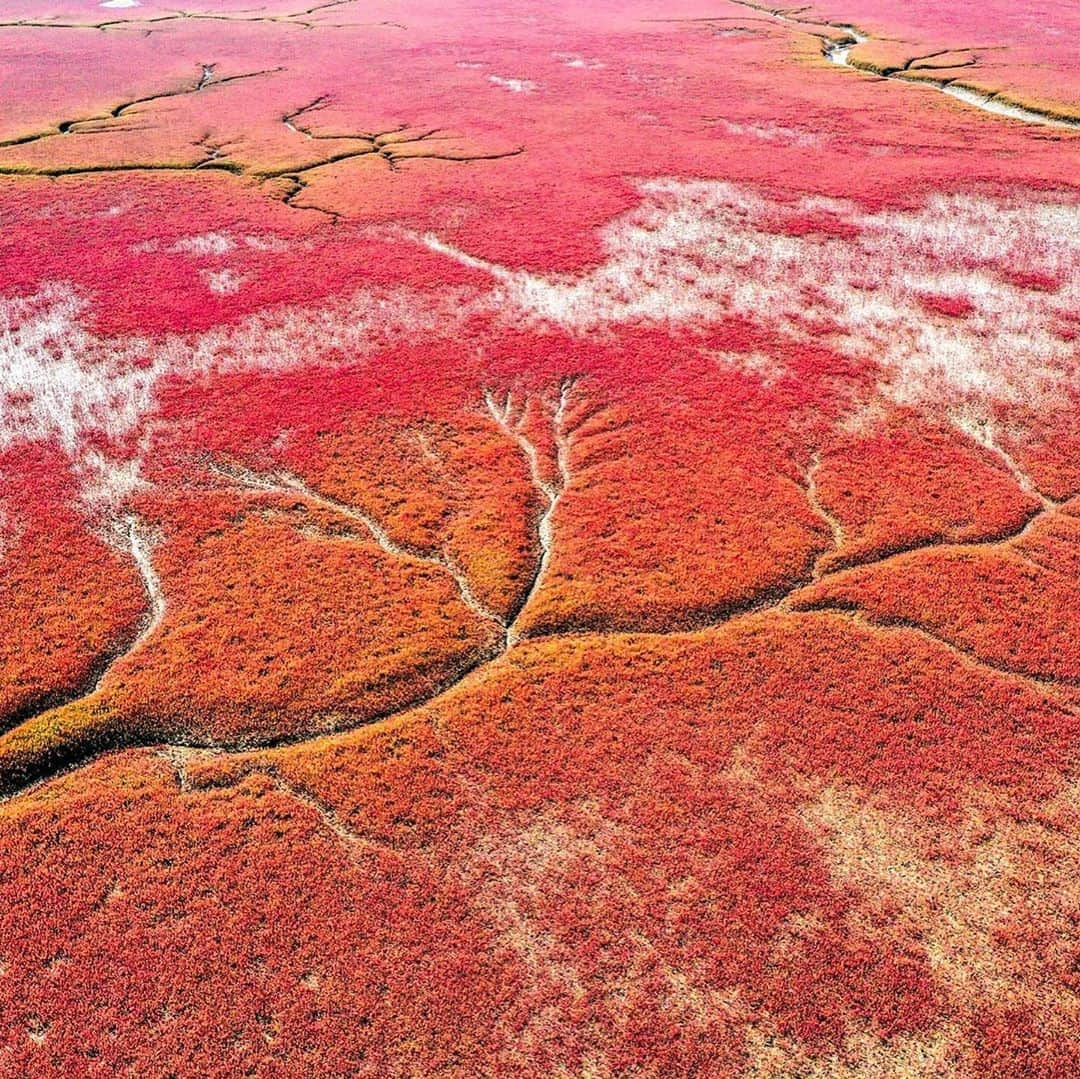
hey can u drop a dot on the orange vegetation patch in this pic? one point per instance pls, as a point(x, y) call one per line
point(1008, 609)
point(71, 602)
point(904, 483)
point(627, 849)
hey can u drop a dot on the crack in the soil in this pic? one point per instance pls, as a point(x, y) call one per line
point(982, 432)
point(153, 23)
point(284, 483)
point(512, 421)
point(837, 50)
point(140, 548)
point(393, 146)
point(918, 63)
point(303, 110)
point(215, 152)
point(204, 82)
point(327, 815)
point(856, 614)
point(177, 757)
point(882, 556)
point(836, 529)
point(127, 535)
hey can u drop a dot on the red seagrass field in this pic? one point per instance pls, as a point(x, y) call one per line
point(539, 540)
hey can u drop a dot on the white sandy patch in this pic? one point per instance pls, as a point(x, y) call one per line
point(266, 243)
point(223, 282)
point(516, 86)
point(769, 131)
point(60, 383)
point(213, 244)
point(571, 59)
point(119, 3)
point(696, 251)
point(766, 367)
point(692, 252)
point(206, 243)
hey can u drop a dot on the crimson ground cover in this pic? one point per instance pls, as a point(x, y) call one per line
point(539, 541)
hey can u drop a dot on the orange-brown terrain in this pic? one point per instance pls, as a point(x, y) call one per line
point(539, 540)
